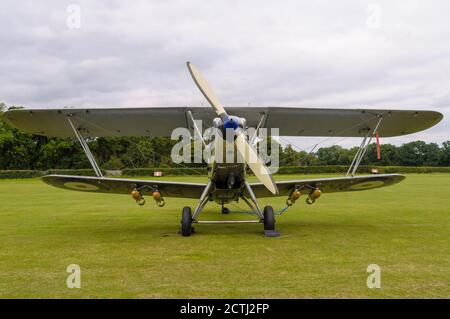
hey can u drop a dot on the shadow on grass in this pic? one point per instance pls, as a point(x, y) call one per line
point(124, 231)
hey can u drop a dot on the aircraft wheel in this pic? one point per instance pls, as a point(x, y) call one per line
point(225, 211)
point(186, 221)
point(269, 218)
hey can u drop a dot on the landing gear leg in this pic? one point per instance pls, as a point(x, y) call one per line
point(253, 198)
point(202, 202)
point(267, 216)
point(187, 218)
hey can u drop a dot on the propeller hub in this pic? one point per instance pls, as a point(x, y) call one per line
point(230, 122)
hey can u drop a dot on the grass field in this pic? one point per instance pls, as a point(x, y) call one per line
point(135, 252)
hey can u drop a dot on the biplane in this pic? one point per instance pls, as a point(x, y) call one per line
point(227, 181)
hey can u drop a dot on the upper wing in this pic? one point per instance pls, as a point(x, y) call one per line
point(330, 185)
point(125, 186)
point(160, 121)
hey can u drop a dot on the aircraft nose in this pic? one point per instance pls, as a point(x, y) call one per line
point(230, 123)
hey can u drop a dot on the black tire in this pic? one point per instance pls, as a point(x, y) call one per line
point(186, 222)
point(269, 218)
point(225, 211)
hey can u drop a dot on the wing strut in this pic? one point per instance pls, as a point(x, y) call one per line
point(362, 149)
point(86, 150)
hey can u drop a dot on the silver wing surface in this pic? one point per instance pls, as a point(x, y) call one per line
point(330, 185)
point(194, 190)
point(160, 121)
point(125, 186)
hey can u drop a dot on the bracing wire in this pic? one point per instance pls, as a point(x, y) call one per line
point(143, 155)
point(330, 137)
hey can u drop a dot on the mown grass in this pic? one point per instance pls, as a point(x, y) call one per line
point(135, 252)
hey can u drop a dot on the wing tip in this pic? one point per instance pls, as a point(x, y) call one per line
point(439, 117)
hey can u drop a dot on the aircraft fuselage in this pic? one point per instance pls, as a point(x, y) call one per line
point(227, 176)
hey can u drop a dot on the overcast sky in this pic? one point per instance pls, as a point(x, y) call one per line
point(374, 54)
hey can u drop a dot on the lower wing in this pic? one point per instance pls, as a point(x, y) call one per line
point(194, 190)
point(125, 186)
point(330, 185)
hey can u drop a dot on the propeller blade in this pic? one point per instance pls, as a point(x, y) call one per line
point(244, 148)
point(255, 163)
point(206, 90)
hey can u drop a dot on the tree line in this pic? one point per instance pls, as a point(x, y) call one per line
point(19, 150)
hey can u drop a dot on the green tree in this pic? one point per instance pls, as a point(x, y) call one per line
point(388, 152)
point(334, 155)
point(20, 150)
point(445, 154)
point(412, 154)
point(289, 157)
point(433, 154)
